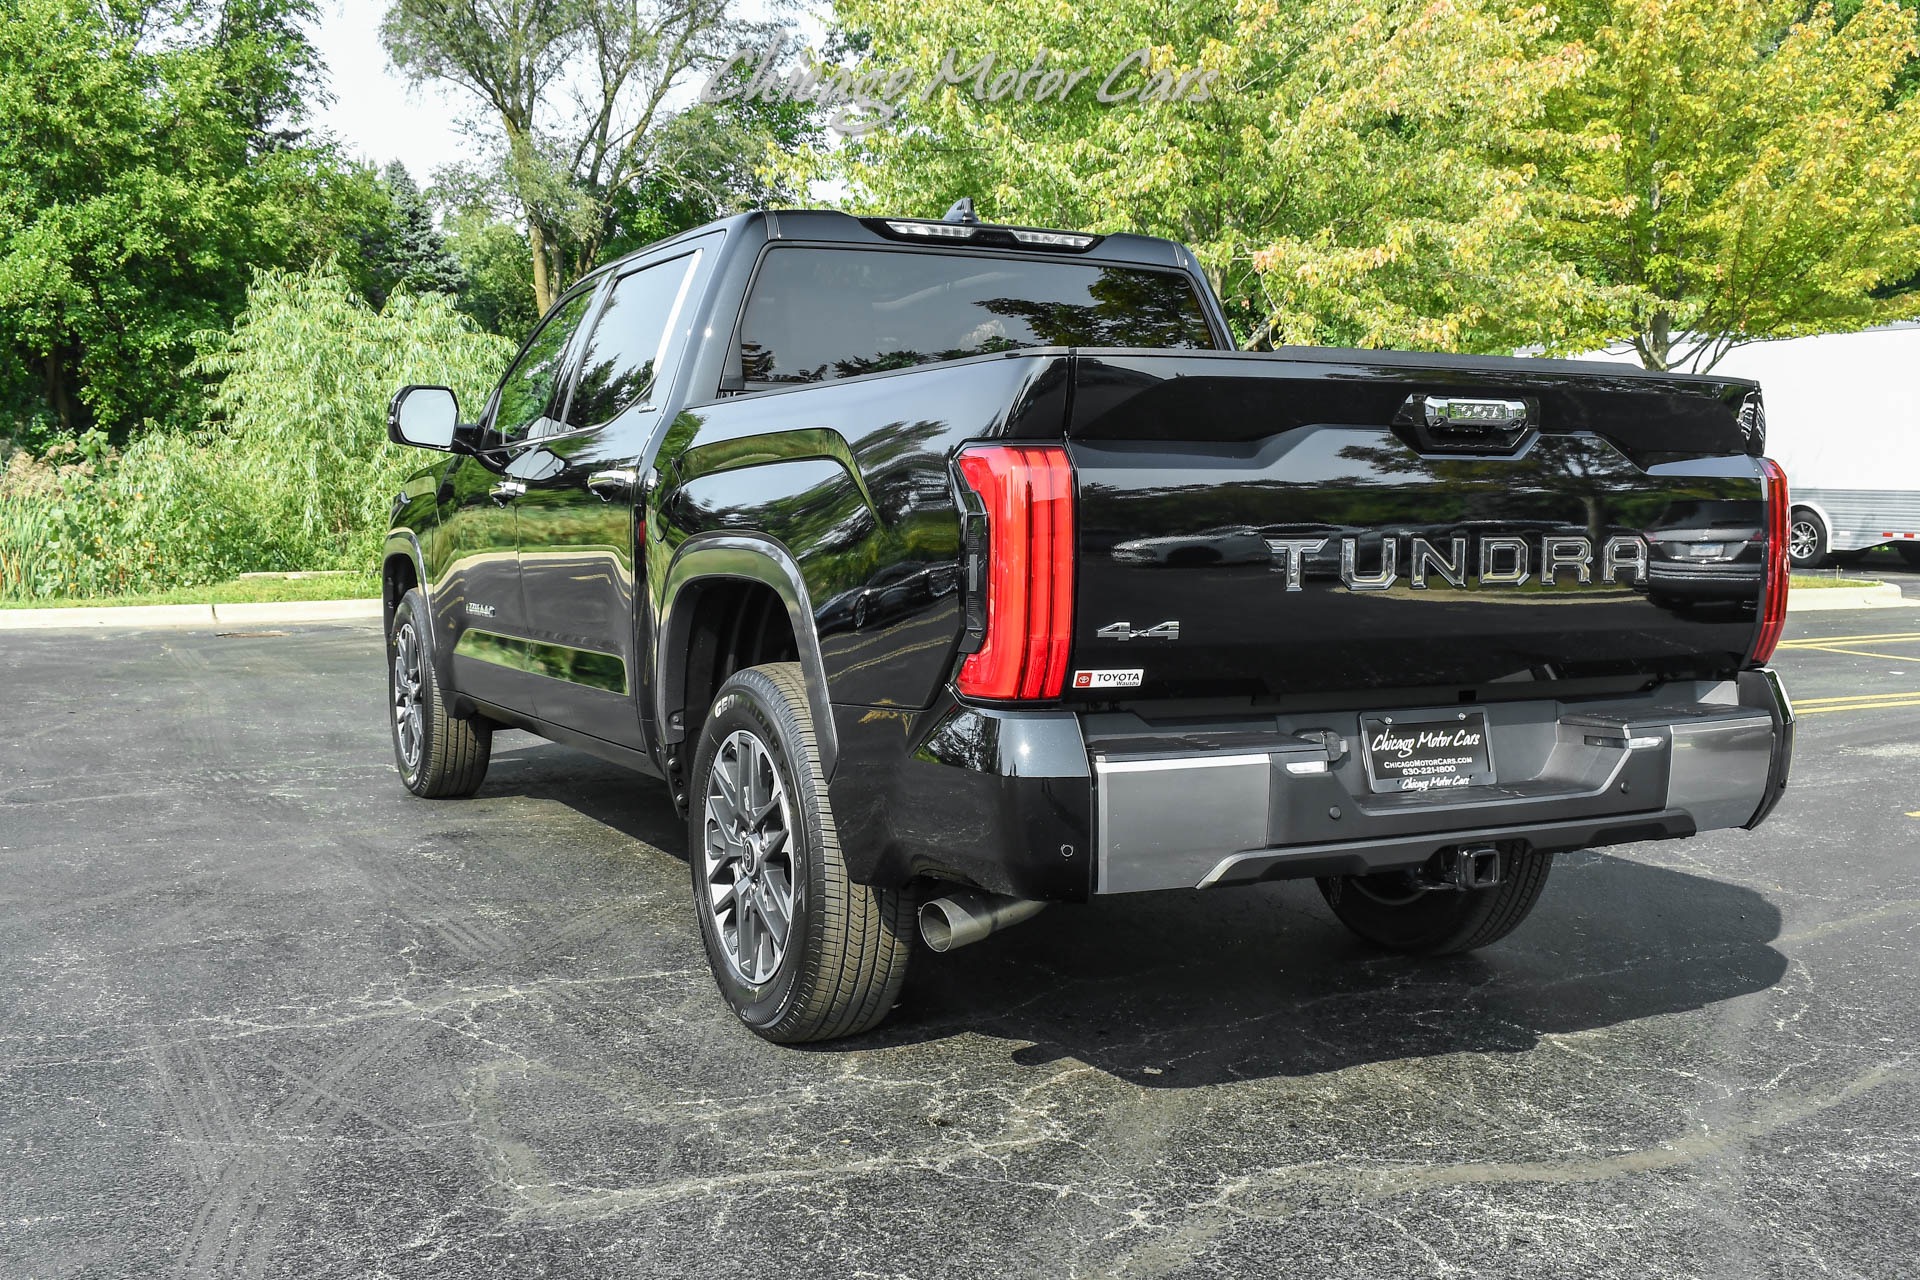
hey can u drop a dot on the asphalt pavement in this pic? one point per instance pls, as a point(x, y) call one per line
point(264, 1014)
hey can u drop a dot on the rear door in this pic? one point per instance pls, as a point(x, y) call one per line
point(578, 519)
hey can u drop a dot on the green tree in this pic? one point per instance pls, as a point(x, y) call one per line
point(405, 251)
point(1746, 169)
point(572, 92)
point(711, 160)
point(303, 381)
point(498, 276)
point(149, 157)
point(1347, 175)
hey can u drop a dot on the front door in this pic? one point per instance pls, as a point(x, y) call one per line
point(578, 519)
point(480, 606)
point(478, 597)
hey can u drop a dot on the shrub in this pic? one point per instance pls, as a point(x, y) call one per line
point(295, 471)
point(58, 518)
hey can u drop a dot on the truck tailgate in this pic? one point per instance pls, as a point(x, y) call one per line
point(1304, 522)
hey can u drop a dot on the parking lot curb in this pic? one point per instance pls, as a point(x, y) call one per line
point(1885, 595)
point(189, 615)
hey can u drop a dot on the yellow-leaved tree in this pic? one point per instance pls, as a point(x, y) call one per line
point(1359, 171)
point(1681, 175)
point(1744, 170)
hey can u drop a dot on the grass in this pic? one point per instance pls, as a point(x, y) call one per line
point(1814, 582)
point(266, 590)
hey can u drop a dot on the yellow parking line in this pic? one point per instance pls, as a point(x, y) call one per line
point(1862, 653)
point(1909, 701)
point(1862, 697)
point(1808, 642)
point(1854, 697)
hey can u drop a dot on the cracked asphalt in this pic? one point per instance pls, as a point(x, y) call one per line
point(263, 1014)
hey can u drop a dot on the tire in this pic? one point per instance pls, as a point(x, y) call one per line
point(1806, 540)
point(1909, 552)
point(844, 955)
point(1388, 911)
point(438, 754)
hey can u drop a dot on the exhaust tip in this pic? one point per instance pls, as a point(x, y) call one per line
point(935, 926)
point(962, 919)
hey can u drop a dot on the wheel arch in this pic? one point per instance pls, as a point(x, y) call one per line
point(716, 562)
point(402, 568)
point(1797, 503)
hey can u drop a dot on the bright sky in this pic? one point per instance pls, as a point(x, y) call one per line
point(381, 118)
point(375, 113)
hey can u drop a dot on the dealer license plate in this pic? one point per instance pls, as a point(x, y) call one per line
point(1427, 751)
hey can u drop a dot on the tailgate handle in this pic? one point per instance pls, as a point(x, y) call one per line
point(1455, 414)
point(1467, 424)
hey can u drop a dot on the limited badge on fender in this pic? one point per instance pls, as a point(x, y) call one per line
point(1107, 679)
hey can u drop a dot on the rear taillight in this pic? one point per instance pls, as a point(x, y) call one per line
point(1021, 570)
point(1773, 601)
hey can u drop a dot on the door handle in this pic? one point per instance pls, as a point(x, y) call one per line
point(607, 485)
point(507, 490)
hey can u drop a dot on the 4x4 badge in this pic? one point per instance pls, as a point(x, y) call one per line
point(1125, 631)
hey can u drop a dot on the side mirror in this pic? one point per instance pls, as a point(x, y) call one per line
point(424, 417)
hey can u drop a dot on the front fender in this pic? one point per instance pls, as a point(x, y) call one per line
point(404, 544)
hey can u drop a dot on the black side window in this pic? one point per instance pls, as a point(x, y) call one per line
point(819, 314)
point(629, 344)
point(526, 393)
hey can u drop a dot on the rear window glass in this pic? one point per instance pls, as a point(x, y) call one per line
point(820, 314)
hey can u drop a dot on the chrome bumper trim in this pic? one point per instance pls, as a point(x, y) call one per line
point(1187, 820)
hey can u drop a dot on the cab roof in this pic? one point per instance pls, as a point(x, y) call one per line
point(830, 226)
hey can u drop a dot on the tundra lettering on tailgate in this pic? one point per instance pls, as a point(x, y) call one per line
point(1503, 561)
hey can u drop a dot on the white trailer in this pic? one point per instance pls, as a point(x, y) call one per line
point(1843, 418)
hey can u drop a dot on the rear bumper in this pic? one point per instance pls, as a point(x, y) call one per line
point(1054, 805)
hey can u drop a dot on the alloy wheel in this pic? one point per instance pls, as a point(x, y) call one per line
point(748, 853)
point(1803, 540)
point(409, 686)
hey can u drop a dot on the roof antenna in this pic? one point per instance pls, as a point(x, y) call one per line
point(962, 211)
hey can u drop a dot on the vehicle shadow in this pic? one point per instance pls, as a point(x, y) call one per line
point(633, 804)
point(1884, 563)
point(1178, 990)
point(1185, 989)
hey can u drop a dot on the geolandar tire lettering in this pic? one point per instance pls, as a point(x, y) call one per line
point(438, 754)
point(799, 951)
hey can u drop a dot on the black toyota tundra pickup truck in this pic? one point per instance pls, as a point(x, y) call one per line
point(952, 569)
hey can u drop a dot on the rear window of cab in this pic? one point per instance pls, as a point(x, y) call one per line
point(817, 314)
